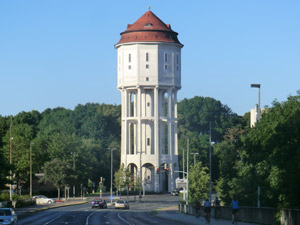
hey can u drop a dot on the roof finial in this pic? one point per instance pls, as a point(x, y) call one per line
point(149, 8)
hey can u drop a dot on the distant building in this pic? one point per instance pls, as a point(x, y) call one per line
point(254, 115)
point(149, 77)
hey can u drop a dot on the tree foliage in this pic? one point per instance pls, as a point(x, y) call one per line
point(243, 158)
point(58, 173)
point(198, 182)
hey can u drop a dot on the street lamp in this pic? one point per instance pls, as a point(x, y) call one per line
point(30, 168)
point(258, 110)
point(10, 159)
point(73, 153)
point(210, 189)
point(195, 153)
point(183, 162)
point(111, 171)
point(187, 168)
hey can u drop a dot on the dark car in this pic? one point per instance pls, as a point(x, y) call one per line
point(176, 191)
point(8, 216)
point(99, 203)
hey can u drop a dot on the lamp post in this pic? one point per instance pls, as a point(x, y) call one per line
point(258, 110)
point(258, 118)
point(10, 159)
point(187, 168)
point(194, 153)
point(183, 162)
point(30, 168)
point(73, 153)
point(210, 189)
point(111, 171)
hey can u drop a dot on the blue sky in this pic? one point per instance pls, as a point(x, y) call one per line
point(56, 53)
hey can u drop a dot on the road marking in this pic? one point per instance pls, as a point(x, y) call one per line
point(52, 220)
point(125, 221)
point(87, 219)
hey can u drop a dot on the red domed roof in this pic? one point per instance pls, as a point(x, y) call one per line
point(149, 28)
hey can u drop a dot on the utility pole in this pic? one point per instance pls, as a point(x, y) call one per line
point(30, 165)
point(10, 159)
point(210, 189)
point(194, 153)
point(73, 154)
point(187, 168)
point(111, 171)
point(183, 162)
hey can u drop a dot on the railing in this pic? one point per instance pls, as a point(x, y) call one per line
point(290, 217)
point(251, 214)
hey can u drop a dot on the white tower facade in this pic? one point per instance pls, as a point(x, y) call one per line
point(149, 77)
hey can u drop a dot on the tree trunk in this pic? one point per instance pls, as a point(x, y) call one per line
point(58, 193)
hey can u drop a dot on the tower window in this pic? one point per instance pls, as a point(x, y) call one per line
point(166, 57)
point(129, 67)
point(166, 67)
point(147, 78)
point(148, 103)
point(129, 58)
point(147, 66)
point(148, 141)
point(147, 57)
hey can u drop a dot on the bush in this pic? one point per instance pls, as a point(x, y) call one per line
point(25, 202)
point(4, 196)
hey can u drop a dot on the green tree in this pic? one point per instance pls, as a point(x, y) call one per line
point(198, 182)
point(273, 147)
point(228, 154)
point(123, 179)
point(58, 173)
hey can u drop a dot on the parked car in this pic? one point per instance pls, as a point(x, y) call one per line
point(121, 204)
point(176, 191)
point(99, 203)
point(8, 216)
point(41, 199)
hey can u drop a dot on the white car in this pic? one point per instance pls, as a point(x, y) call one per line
point(41, 199)
point(121, 204)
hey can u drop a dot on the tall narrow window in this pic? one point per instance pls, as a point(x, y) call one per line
point(166, 57)
point(132, 105)
point(129, 58)
point(132, 137)
point(147, 57)
point(166, 139)
point(148, 141)
point(166, 104)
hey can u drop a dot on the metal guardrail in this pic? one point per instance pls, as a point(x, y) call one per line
point(251, 214)
point(290, 217)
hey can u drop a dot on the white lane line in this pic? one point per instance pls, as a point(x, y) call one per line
point(52, 220)
point(125, 221)
point(87, 219)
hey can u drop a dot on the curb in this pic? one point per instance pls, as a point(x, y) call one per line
point(160, 216)
point(159, 213)
point(48, 207)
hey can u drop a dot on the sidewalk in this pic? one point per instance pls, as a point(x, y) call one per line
point(22, 212)
point(172, 214)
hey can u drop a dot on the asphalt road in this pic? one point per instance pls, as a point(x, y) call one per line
point(139, 213)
